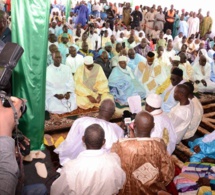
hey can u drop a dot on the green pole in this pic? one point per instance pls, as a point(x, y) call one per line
point(30, 30)
point(68, 8)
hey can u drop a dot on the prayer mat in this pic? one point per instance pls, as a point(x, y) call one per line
point(61, 122)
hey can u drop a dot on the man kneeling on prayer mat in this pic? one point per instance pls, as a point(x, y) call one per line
point(123, 83)
point(91, 84)
point(150, 74)
point(60, 96)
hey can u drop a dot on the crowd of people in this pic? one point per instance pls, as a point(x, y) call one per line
point(104, 53)
point(129, 52)
point(113, 53)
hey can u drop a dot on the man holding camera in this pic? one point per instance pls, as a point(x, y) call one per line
point(9, 168)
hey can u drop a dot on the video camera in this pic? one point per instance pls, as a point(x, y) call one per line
point(9, 57)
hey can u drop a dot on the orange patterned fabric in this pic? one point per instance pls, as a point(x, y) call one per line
point(137, 153)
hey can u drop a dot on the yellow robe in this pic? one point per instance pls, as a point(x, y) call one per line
point(92, 83)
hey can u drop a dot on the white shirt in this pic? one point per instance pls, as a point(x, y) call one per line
point(72, 146)
point(59, 80)
point(93, 38)
point(117, 34)
point(94, 172)
point(75, 62)
point(196, 118)
point(164, 129)
point(181, 117)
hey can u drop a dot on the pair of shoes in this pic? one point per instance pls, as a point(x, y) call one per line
point(49, 141)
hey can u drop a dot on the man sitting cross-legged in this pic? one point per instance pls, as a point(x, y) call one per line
point(123, 83)
point(91, 84)
point(94, 171)
point(60, 96)
point(72, 146)
point(145, 160)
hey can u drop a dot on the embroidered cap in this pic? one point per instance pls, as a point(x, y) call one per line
point(122, 58)
point(88, 60)
point(154, 100)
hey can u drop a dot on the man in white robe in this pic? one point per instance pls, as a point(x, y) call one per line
point(94, 171)
point(181, 114)
point(163, 126)
point(74, 60)
point(202, 74)
point(72, 146)
point(193, 23)
point(150, 74)
point(60, 95)
point(197, 112)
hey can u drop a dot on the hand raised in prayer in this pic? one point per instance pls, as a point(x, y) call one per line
point(197, 81)
point(59, 96)
point(204, 82)
point(197, 149)
point(92, 99)
point(67, 95)
point(98, 99)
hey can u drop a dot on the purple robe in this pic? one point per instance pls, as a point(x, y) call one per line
point(83, 14)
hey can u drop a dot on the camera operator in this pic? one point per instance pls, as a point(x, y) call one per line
point(9, 168)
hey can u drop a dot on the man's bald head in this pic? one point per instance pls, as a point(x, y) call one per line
point(94, 137)
point(144, 123)
point(107, 106)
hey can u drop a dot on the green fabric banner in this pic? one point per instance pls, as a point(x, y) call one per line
point(30, 30)
point(68, 8)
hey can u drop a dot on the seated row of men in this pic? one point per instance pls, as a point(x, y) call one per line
point(93, 81)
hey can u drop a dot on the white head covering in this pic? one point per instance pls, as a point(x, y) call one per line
point(154, 100)
point(122, 58)
point(176, 58)
point(88, 60)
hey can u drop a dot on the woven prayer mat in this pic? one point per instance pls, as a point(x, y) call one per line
point(62, 122)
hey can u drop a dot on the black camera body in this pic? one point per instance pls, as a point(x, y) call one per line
point(9, 57)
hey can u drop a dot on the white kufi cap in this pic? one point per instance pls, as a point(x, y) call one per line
point(154, 100)
point(122, 58)
point(88, 60)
